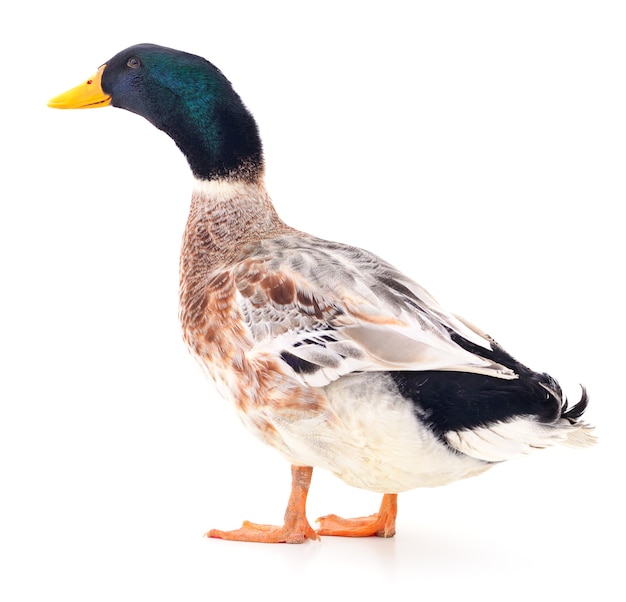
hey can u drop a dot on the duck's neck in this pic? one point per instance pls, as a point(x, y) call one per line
point(226, 216)
point(219, 139)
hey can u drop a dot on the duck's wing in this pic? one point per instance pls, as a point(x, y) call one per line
point(328, 310)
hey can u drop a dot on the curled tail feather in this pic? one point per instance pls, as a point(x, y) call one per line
point(576, 411)
point(580, 433)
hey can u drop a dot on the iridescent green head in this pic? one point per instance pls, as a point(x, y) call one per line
point(185, 96)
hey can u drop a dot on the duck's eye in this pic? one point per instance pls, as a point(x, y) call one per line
point(133, 62)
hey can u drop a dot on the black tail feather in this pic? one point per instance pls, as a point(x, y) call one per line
point(499, 355)
point(576, 411)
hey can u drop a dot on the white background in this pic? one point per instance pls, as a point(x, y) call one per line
point(479, 146)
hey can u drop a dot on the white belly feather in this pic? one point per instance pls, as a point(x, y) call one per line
point(371, 438)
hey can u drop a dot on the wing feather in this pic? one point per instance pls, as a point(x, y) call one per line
point(329, 309)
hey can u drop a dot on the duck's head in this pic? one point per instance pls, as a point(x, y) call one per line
point(185, 96)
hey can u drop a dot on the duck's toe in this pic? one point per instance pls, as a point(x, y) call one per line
point(291, 532)
point(382, 524)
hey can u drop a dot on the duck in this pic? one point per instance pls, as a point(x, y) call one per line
point(328, 353)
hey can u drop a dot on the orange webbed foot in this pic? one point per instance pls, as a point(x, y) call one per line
point(382, 524)
point(296, 528)
point(290, 532)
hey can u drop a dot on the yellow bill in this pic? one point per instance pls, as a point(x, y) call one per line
point(89, 95)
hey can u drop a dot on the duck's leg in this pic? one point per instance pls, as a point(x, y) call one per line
point(382, 524)
point(296, 528)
